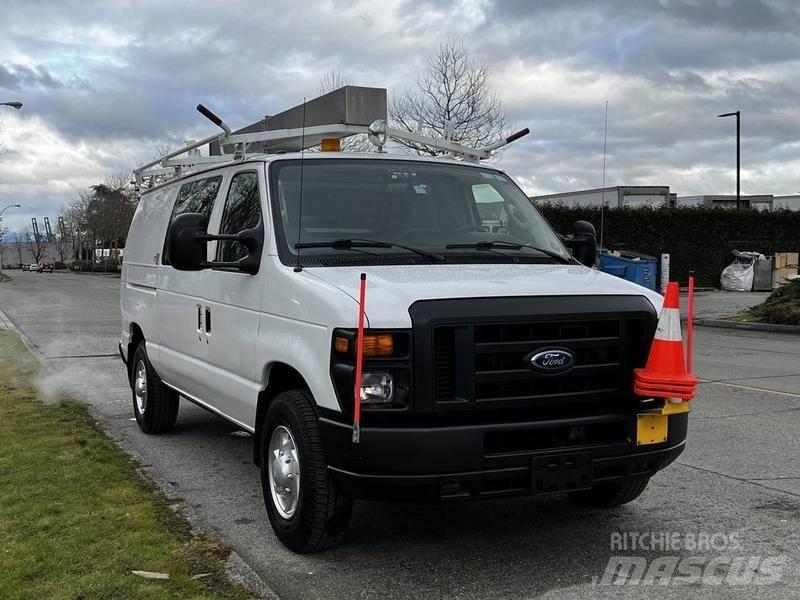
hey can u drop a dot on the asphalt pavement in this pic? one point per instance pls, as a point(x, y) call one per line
point(739, 479)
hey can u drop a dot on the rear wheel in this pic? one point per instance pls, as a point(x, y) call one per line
point(609, 495)
point(155, 406)
point(304, 507)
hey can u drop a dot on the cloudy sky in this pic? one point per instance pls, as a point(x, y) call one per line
point(104, 83)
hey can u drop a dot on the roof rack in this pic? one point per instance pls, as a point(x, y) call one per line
point(172, 165)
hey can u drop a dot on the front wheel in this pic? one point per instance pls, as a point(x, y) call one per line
point(304, 507)
point(155, 406)
point(609, 495)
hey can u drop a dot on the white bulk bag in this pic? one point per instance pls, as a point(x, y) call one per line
point(737, 277)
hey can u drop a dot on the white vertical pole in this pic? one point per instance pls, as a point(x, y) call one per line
point(664, 272)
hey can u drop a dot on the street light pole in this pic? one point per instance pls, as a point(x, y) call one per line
point(738, 116)
point(17, 105)
point(1, 232)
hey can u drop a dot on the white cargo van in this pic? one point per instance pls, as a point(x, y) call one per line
point(494, 362)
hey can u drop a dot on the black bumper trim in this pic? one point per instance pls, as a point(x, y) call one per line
point(451, 462)
point(490, 483)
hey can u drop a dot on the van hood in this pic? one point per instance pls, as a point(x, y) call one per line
point(392, 289)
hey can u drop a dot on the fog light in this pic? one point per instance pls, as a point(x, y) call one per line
point(377, 387)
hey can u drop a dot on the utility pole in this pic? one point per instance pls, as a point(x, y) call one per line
point(738, 116)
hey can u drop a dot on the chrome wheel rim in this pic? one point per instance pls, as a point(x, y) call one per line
point(284, 471)
point(140, 387)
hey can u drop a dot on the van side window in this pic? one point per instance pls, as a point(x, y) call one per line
point(242, 211)
point(196, 196)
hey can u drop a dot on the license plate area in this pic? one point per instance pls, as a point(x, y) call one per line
point(560, 473)
point(651, 429)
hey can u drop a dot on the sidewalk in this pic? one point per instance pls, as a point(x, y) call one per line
point(720, 305)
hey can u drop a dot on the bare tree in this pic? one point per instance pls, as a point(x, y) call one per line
point(76, 226)
point(36, 243)
point(333, 80)
point(109, 212)
point(452, 99)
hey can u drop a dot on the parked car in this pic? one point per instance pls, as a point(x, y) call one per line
point(46, 267)
point(26, 267)
point(494, 362)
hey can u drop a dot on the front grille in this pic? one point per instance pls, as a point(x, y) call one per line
point(444, 359)
point(502, 372)
point(475, 354)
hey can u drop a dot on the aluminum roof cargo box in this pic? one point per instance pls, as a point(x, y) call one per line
point(353, 105)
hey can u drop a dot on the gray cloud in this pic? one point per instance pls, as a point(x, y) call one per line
point(111, 80)
point(15, 77)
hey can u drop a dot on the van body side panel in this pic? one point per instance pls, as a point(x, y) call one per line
point(140, 267)
point(181, 303)
point(234, 301)
point(183, 345)
point(300, 312)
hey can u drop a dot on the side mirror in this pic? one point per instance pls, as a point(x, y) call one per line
point(583, 242)
point(187, 238)
point(185, 244)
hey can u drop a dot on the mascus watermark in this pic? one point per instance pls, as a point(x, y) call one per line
point(687, 558)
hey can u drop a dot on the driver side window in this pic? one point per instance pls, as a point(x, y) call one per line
point(242, 211)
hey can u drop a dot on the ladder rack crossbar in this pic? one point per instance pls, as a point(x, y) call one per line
point(196, 160)
point(171, 165)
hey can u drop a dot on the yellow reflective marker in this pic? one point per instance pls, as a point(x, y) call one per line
point(675, 408)
point(651, 429)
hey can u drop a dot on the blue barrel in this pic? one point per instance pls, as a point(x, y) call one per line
point(635, 267)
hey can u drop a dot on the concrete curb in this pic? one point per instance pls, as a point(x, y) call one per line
point(95, 273)
point(238, 571)
point(771, 327)
point(9, 325)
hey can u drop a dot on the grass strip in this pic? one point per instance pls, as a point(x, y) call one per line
point(76, 516)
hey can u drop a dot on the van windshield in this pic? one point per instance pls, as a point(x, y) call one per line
point(390, 212)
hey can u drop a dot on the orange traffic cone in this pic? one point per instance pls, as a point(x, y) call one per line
point(665, 375)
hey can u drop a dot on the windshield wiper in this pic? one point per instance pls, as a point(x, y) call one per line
point(354, 243)
point(492, 244)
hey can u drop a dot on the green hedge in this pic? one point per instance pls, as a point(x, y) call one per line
point(108, 265)
point(697, 239)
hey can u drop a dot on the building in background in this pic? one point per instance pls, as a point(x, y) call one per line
point(758, 202)
point(633, 196)
point(786, 202)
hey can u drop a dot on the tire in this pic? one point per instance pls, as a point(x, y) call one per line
point(158, 412)
point(314, 514)
point(609, 495)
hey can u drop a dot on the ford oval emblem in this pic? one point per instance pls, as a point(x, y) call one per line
point(552, 360)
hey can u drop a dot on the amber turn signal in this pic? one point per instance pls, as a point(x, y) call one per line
point(378, 344)
point(341, 345)
point(330, 145)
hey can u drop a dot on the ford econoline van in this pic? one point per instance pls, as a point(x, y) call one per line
point(495, 363)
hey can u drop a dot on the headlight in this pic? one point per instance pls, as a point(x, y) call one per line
point(376, 387)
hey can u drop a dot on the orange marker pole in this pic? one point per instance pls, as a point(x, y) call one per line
point(690, 323)
point(359, 360)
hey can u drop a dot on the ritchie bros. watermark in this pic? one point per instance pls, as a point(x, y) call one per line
point(645, 558)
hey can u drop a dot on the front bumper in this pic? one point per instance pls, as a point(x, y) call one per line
point(486, 460)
